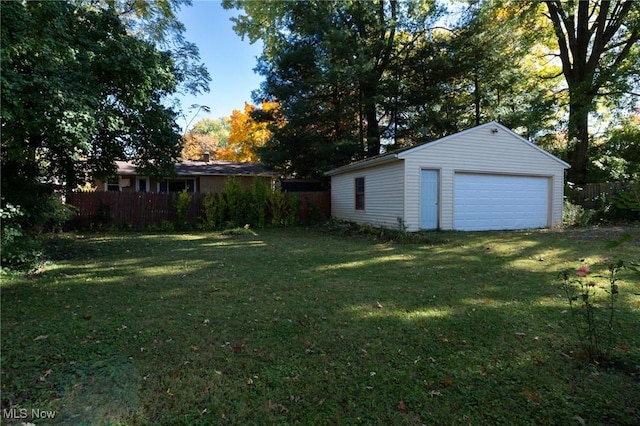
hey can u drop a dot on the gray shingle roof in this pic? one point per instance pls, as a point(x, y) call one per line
point(206, 168)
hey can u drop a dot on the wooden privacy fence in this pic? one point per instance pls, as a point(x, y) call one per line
point(140, 210)
point(589, 194)
point(314, 205)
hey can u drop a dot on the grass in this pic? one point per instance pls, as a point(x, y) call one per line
point(309, 327)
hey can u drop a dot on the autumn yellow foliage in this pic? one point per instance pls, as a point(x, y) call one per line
point(232, 138)
point(246, 134)
point(196, 144)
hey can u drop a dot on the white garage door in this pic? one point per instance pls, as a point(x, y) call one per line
point(485, 202)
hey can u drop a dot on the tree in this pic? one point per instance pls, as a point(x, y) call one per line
point(316, 127)
point(600, 54)
point(206, 135)
point(357, 78)
point(78, 92)
point(487, 66)
point(246, 134)
point(328, 64)
point(617, 156)
point(156, 22)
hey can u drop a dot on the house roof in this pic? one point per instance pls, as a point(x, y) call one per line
point(404, 152)
point(206, 168)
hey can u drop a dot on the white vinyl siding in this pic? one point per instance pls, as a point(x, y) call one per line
point(384, 194)
point(477, 151)
point(393, 183)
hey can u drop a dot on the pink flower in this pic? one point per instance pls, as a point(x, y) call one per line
point(583, 271)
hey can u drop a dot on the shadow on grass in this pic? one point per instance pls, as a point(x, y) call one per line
point(291, 326)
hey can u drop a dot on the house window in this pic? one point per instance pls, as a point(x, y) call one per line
point(177, 185)
point(360, 193)
point(112, 185)
point(142, 185)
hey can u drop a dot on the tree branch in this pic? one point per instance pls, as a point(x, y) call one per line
point(551, 77)
point(555, 10)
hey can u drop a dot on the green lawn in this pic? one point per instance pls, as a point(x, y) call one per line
point(310, 327)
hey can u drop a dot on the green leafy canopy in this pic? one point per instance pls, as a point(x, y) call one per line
point(80, 90)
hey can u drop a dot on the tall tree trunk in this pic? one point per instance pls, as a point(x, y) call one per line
point(578, 134)
point(594, 40)
point(369, 90)
point(373, 131)
point(476, 96)
point(361, 124)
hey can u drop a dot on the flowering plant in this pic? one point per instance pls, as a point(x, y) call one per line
point(582, 294)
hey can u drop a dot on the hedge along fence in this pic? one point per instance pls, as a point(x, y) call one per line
point(140, 210)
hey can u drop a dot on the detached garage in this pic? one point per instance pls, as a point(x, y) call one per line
point(484, 178)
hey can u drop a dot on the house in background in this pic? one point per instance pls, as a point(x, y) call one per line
point(194, 176)
point(483, 178)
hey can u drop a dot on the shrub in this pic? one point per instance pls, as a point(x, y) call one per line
point(210, 205)
point(627, 201)
point(19, 250)
point(293, 208)
point(54, 214)
point(258, 207)
point(575, 215)
point(277, 207)
point(258, 200)
point(236, 202)
point(182, 209)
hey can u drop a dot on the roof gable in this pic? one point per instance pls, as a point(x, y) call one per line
point(492, 126)
point(401, 154)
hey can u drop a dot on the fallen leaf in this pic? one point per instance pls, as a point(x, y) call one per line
point(402, 407)
point(531, 396)
point(41, 337)
point(378, 305)
point(447, 381)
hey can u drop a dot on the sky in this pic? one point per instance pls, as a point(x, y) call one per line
point(229, 59)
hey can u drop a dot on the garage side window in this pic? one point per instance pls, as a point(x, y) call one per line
point(360, 193)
